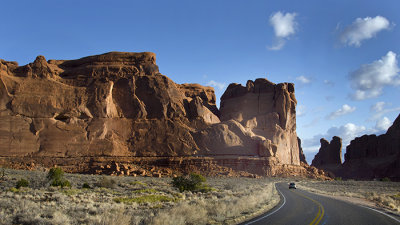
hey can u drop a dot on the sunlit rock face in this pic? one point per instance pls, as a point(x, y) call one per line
point(372, 156)
point(118, 104)
point(259, 120)
point(114, 104)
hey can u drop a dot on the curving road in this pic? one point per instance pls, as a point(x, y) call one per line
point(299, 207)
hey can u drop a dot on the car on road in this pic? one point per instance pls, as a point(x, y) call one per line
point(292, 185)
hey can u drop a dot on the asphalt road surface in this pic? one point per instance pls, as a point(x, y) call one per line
point(299, 207)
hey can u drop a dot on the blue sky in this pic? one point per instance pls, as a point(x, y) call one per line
point(342, 55)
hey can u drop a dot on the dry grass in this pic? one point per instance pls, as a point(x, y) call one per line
point(130, 200)
point(383, 194)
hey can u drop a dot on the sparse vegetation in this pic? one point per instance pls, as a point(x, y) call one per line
point(22, 183)
point(56, 178)
point(135, 200)
point(145, 199)
point(106, 182)
point(86, 186)
point(194, 182)
point(382, 194)
point(148, 191)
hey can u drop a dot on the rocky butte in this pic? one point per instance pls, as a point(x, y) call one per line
point(329, 156)
point(372, 156)
point(116, 113)
point(366, 157)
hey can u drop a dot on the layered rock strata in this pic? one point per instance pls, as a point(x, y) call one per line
point(58, 112)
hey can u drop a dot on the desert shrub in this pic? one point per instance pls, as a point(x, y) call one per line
point(148, 191)
point(56, 177)
point(106, 183)
point(338, 178)
point(62, 183)
point(22, 183)
point(385, 179)
point(145, 199)
point(137, 183)
point(194, 182)
point(55, 173)
point(86, 185)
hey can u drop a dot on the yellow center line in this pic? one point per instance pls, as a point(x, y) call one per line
point(319, 216)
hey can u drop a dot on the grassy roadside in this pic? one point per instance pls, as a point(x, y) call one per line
point(94, 199)
point(382, 194)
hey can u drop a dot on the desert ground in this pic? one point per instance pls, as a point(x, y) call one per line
point(130, 200)
point(380, 194)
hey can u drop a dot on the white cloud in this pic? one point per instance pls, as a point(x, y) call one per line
point(301, 110)
point(380, 110)
point(303, 79)
point(370, 79)
point(383, 124)
point(347, 132)
point(284, 25)
point(216, 84)
point(329, 83)
point(378, 107)
point(346, 109)
point(362, 29)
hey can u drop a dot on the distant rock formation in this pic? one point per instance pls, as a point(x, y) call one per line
point(372, 156)
point(329, 153)
point(302, 157)
point(117, 105)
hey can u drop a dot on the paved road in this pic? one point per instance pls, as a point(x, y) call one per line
point(299, 207)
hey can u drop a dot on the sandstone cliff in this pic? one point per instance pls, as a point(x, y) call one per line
point(329, 153)
point(302, 157)
point(372, 156)
point(118, 106)
point(263, 112)
point(115, 104)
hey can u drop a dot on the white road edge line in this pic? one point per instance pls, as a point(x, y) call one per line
point(284, 202)
point(381, 213)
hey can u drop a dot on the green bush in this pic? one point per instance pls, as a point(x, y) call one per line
point(385, 179)
point(194, 182)
point(55, 173)
point(86, 185)
point(56, 177)
point(22, 183)
point(338, 178)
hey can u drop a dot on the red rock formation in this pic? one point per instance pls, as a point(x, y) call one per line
point(264, 113)
point(117, 105)
point(302, 157)
point(329, 153)
point(372, 156)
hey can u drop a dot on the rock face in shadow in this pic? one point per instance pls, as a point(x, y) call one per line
point(302, 157)
point(257, 120)
point(372, 156)
point(118, 105)
point(329, 154)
